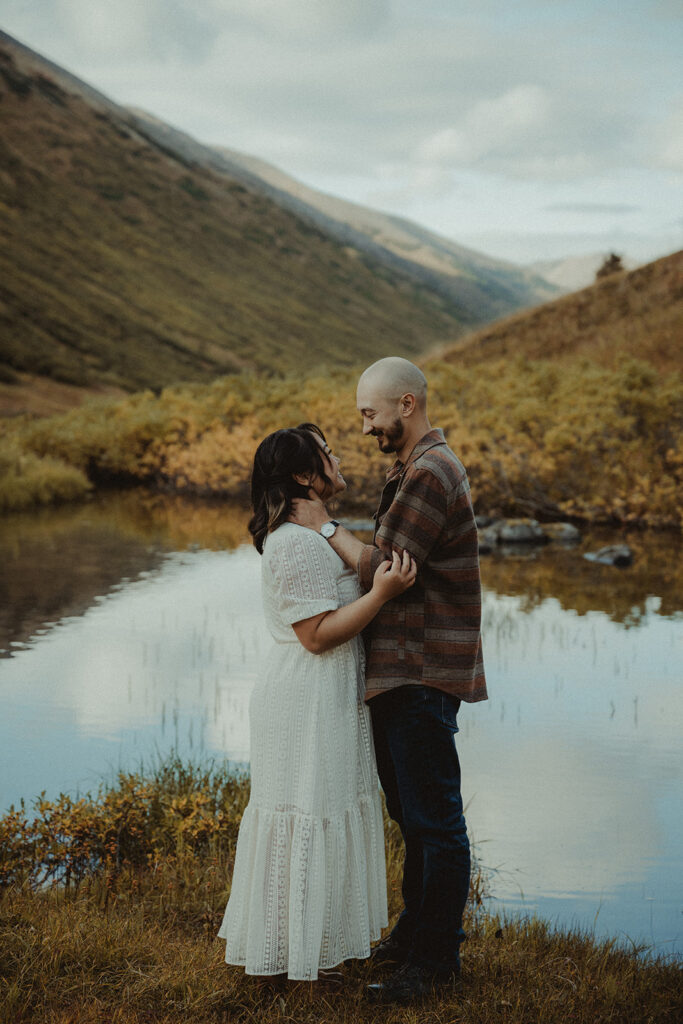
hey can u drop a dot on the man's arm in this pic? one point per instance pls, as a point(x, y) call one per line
point(362, 558)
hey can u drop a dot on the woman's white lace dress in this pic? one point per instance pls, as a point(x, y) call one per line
point(309, 885)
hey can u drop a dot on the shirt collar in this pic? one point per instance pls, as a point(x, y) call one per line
point(434, 437)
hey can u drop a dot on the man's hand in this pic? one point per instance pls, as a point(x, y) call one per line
point(311, 514)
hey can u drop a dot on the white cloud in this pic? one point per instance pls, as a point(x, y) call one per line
point(373, 98)
point(491, 128)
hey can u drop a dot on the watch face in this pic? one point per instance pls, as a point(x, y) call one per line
point(327, 529)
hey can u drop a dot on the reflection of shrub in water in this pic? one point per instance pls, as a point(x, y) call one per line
point(181, 522)
point(565, 575)
point(56, 562)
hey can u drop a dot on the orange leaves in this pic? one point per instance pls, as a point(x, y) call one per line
point(140, 821)
point(535, 436)
point(216, 460)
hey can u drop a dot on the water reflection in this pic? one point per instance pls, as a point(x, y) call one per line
point(574, 766)
point(56, 563)
point(562, 573)
point(130, 635)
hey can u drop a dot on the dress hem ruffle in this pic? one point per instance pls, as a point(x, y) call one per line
point(308, 892)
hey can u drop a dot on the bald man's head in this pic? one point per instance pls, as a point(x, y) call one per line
point(393, 377)
point(392, 399)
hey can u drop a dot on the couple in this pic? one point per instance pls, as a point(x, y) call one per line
point(309, 887)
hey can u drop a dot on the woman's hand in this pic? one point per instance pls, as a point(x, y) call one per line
point(310, 513)
point(322, 632)
point(392, 578)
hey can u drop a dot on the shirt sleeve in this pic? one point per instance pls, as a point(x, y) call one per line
point(414, 522)
point(302, 577)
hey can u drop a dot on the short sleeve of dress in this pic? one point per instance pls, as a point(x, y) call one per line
point(299, 574)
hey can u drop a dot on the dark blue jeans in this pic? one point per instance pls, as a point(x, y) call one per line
point(414, 730)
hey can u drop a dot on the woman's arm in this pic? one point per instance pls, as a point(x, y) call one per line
point(330, 629)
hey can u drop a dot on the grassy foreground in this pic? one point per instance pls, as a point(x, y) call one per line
point(128, 934)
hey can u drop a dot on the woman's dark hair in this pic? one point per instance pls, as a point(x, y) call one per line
point(273, 487)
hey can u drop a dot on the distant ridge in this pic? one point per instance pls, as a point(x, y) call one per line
point(575, 272)
point(483, 288)
point(637, 314)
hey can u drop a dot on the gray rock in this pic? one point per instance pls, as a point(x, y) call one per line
point(521, 531)
point(483, 521)
point(614, 554)
point(564, 533)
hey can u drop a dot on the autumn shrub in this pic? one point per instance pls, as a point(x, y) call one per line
point(28, 479)
point(178, 809)
point(581, 440)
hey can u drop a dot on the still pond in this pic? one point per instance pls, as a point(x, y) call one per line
point(132, 626)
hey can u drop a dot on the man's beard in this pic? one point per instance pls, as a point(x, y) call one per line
point(391, 438)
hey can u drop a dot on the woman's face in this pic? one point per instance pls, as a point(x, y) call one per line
point(335, 482)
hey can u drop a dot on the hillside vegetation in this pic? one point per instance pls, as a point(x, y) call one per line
point(481, 286)
point(124, 265)
point(635, 315)
point(573, 409)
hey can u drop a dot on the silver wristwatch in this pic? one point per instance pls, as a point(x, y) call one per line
point(328, 529)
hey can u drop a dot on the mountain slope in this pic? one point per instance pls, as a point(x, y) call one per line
point(637, 314)
point(126, 265)
point(482, 287)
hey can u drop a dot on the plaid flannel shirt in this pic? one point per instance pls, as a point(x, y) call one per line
point(429, 635)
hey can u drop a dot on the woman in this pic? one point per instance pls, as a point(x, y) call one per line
point(309, 887)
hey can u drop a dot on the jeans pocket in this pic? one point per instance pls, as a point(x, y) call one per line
point(449, 711)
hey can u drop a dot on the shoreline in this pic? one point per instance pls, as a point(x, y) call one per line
point(354, 514)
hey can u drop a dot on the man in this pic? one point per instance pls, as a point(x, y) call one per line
point(423, 658)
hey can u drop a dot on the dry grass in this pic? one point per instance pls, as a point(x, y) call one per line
point(634, 315)
point(140, 948)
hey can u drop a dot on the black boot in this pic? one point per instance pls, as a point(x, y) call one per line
point(390, 952)
point(412, 983)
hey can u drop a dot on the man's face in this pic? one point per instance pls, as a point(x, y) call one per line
point(381, 417)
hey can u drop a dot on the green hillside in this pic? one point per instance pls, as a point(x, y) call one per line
point(125, 265)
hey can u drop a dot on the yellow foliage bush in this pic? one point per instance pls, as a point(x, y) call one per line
point(28, 479)
point(581, 440)
point(177, 808)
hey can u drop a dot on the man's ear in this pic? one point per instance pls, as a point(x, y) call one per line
point(407, 404)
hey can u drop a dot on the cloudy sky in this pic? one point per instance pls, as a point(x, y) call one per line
point(530, 130)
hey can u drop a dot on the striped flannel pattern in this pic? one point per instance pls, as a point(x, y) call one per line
point(430, 635)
